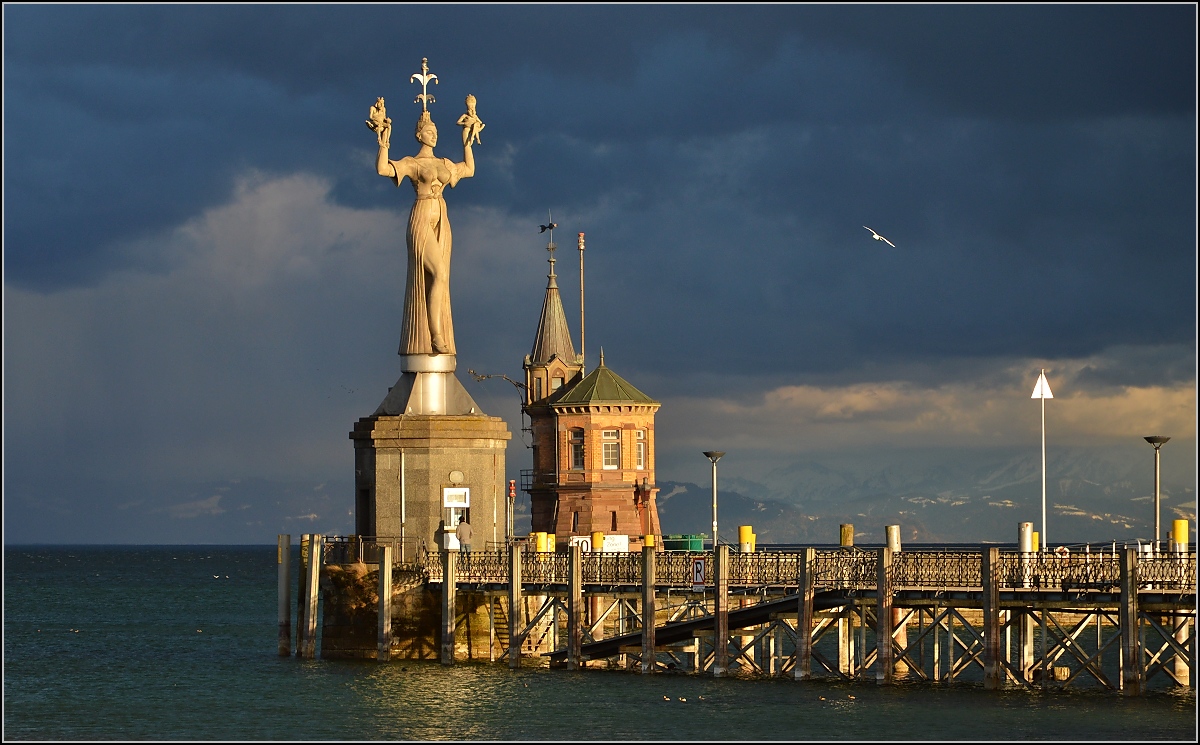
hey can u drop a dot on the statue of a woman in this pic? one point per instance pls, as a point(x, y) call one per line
point(427, 327)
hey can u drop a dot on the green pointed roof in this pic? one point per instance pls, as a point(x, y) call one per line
point(600, 386)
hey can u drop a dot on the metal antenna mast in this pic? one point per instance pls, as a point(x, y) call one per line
point(582, 333)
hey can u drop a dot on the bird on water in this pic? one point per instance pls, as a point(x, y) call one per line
point(879, 237)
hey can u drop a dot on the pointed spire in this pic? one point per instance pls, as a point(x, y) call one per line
point(553, 334)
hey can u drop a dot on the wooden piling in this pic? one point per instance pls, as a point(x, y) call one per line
point(993, 667)
point(384, 637)
point(845, 626)
point(1026, 639)
point(804, 615)
point(516, 607)
point(935, 633)
point(648, 580)
point(312, 594)
point(302, 592)
point(575, 608)
point(721, 611)
point(1131, 653)
point(449, 603)
point(899, 621)
point(283, 558)
point(883, 618)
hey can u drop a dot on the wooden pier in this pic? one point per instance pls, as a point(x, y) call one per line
point(1120, 619)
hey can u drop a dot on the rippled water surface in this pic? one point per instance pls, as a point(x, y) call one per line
point(179, 643)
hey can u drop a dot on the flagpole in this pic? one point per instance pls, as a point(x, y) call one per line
point(1042, 391)
point(1043, 543)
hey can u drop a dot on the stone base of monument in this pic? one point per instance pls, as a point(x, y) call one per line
point(411, 462)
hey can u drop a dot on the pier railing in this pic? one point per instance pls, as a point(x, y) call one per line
point(845, 568)
point(367, 549)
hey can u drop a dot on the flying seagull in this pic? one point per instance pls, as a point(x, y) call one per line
point(879, 237)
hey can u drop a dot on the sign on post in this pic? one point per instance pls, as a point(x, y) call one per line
point(698, 575)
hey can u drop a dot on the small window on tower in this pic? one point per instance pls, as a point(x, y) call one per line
point(556, 384)
point(537, 389)
point(641, 449)
point(575, 522)
point(612, 448)
point(577, 449)
point(614, 521)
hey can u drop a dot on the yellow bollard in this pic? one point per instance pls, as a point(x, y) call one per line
point(648, 540)
point(539, 539)
point(753, 542)
point(1179, 534)
point(550, 547)
point(597, 541)
point(744, 533)
point(1035, 541)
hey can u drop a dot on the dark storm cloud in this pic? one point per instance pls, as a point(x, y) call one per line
point(138, 95)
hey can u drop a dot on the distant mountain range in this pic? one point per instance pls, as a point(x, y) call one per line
point(976, 497)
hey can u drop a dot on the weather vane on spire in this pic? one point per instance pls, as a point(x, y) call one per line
point(550, 225)
point(424, 97)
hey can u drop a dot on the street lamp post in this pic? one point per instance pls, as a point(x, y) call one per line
point(714, 456)
point(1157, 441)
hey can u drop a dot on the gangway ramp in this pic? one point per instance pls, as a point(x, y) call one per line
point(684, 630)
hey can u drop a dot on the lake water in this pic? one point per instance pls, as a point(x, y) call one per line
point(179, 642)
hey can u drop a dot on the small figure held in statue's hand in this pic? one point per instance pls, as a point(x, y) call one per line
point(470, 123)
point(379, 123)
point(463, 533)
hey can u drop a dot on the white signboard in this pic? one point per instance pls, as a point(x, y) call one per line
point(583, 541)
point(698, 575)
point(616, 543)
point(459, 496)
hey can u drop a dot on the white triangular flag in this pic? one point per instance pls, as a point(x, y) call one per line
point(1042, 389)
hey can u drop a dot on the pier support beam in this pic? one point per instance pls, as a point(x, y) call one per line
point(648, 581)
point(516, 606)
point(575, 608)
point(1131, 651)
point(720, 610)
point(284, 559)
point(993, 665)
point(804, 615)
point(449, 603)
point(883, 618)
point(383, 653)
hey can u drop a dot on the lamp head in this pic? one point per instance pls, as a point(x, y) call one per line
point(1157, 441)
point(713, 455)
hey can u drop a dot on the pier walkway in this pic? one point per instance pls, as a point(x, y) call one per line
point(1121, 619)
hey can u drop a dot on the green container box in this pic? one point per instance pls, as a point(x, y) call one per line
point(686, 542)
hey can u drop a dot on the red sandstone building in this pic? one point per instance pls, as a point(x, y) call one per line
point(593, 440)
